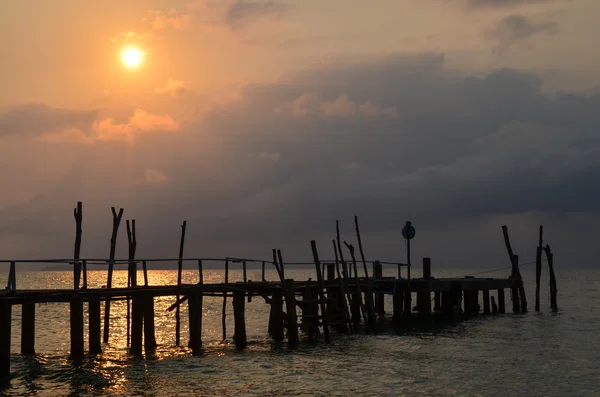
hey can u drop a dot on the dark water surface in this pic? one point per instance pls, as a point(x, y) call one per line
point(536, 354)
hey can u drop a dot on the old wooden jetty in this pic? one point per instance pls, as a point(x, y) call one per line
point(346, 296)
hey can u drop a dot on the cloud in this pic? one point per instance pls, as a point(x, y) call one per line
point(463, 155)
point(67, 135)
point(495, 4)
point(140, 122)
point(517, 29)
point(154, 177)
point(34, 119)
point(170, 19)
point(240, 12)
point(173, 88)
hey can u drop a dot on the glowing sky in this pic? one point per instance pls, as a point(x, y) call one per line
point(263, 121)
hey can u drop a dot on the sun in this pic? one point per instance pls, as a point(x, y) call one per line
point(132, 57)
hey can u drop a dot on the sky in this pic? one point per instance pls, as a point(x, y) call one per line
point(262, 122)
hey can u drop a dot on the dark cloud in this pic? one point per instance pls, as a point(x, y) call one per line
point(462, 155)
point(242, 11)
point(517, 29)
point(486, 4)
point(33, 119)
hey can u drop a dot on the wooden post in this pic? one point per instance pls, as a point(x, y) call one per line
point(321, 291)
point(292, 318)
point(149, 337)
point(239, 318)
point(263, 271)
point(131, 267)
point(515, 288)
point(379, 298)
point(111, 264)
point(76, 315)
point(357, 296)
point(347, 325)
point(398, 302)
point(5, 338)
point(553, 288)
point(94, 334)
point(538, 269)
point(224, 307)
point(309, 313)
point(145, 270)
point(179, 276)
point(137, 319)
point(494, 306)
point(28, 328)
point(501, 301)
point(78, 214)
point(195, 318)
point(276, 317)
point(330, 291)
point(518, 291)
point(467, 301)
point(244, 271)
point(486, 301)
point(437, 301)
point(12, 277)
point(426, 294)
point(84, 264)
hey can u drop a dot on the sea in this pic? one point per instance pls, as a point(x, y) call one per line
point(533, 354)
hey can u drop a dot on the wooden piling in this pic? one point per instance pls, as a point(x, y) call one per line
point(145, 271)
point(137, 320)
point(224, 307)
point(111, 264)
point(398, 302)
point(276, 317)
point(379, 298)
point(425, 307)
point(486, 301)
point(501, 301)
point(321, 290)
point(343, 294)
point(28, 328)
point(494, 306)
point(195, 322)
point(76, 316)
point(518, 291)
point(239, 308)
point(437, 301)
point(179, 276)
point(538, 268)
point(292, 318)
point(94, 334)
point(5, 338)
point(149, 335)
point(131, 267)
point(553, 288)
point(309, 313)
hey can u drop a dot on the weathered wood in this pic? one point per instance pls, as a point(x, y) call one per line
point(224, 307)
point(514, 291)
point(309, 313)
point(501, 301)
point(437, 301)
point(357, 296)
point(494, 306)
point(137, 320)
point(379, 298)
point(5, 338)
point(425, 308)
point(94, 334)
point(321, 290)
point(145, 270)
point(538, 268)
point(78, 214)
point(195, 325)
point(276, 317)
point(292, 318)
point(343, 295)
point(111, 264)
point(263, 271)
point(179, 276)
point(397, 303)
point(553, 287)
point(360, 247)
point(239, 317)
point(76, 316)
point(131, 267)
point(84, 267)
point(244, 271)
point(486, 301)
point(28, 328)
point(149, 335)
point(12, 277)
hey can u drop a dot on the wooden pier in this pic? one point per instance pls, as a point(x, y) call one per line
point(341, 298)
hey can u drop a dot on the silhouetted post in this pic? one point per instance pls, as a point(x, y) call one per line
point(131, 267)
point(486, 301)
point(111, 264)
point(224, 307)
point(76, 315)
point(94, 335)
point(276, 317)
point(145, 271)
point(321, 291)
point(501, 301)
point(357, 297)
point(515, 287)
point(398, 302)
point(467, 302)
point(538, 269)
point(494, 306)
point(5, 329)
point(292, 318)
point(518, 290)
point(179, 276)
point(239, 318)
point(426, 294)
point(137, 320)
point(195, 318)
point(437, 301)
point(553, 288)
point(379, 298)
point(78, 214)
point(28, 328)
point(149, 337)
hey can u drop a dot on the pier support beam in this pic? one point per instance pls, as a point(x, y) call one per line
point(149, 337)
point(425, 304)
point(276, 317)
point(94, 314)
point(5, 320)
point(239, 317)
point(76, 315)
point(292, 317)
point(377, 275)
point(137, 320)
point(486, 301)
point(494, 306)
point(437, 301)
point(28, 328)
point(398, 303)
point(501, 301)
point(195, 327)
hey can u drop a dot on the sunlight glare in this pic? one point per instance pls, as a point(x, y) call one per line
point(132, 57)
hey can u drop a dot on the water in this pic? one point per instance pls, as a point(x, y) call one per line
point(522, 355)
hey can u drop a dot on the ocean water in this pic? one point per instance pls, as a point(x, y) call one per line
point(533, 354)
